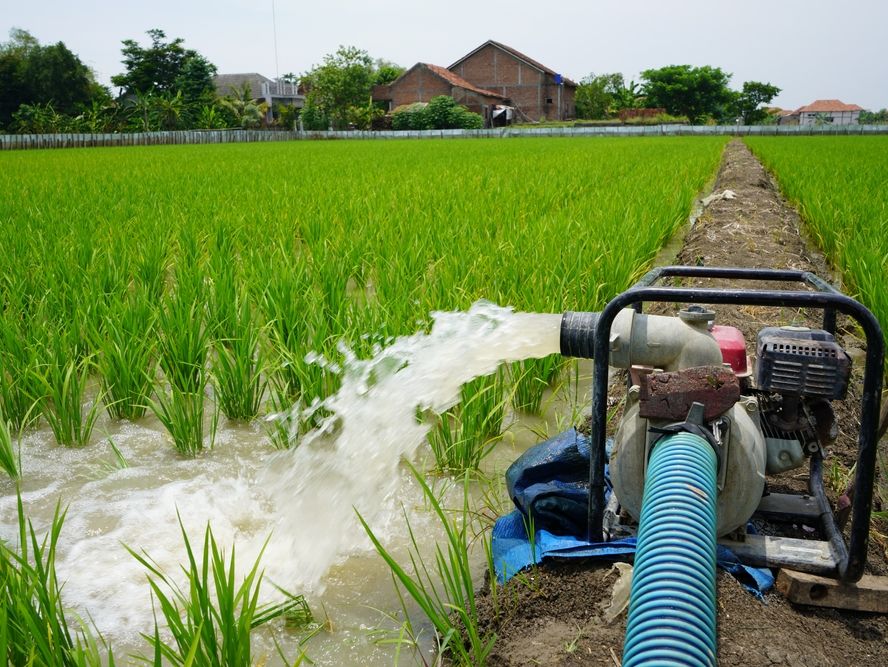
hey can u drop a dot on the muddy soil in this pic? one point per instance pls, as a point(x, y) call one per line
point(554, 614)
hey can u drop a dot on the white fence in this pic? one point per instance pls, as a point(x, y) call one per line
point(26, 141)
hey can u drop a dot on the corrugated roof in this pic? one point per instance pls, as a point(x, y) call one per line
point(517, 54)
point(456, 80)
point(825, 106)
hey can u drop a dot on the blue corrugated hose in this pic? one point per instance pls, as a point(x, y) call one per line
point(672, 602)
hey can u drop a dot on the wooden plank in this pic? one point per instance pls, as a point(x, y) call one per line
point(789, 507)
point(868, 594)
point(811, 556)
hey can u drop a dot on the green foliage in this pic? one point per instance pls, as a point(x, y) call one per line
point(65, 379)
point(385, 72)
point(600, 96)
point(212, 618)
point(874, 117)
point(314, 118)
point(38, 76)
point(33, 627)
point(444, 589)
point(411, 117)
point(243, 109)
point(696, 92)
point(440, 113)
point(341, 81)
point(165, 68)
point(362, 117)
point(749, 101)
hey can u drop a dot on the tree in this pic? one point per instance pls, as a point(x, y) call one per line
point(343, 80)
point(695, 92)
point(874, 117)
point(43, 75)
point(386, 72)
point(243, 109)
point(165, 67)
point(598, 96)
point(748, 102)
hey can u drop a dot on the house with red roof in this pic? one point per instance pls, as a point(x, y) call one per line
point(491, 75)
point(833, 112)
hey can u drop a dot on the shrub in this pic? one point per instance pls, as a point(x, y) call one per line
point(411, 117)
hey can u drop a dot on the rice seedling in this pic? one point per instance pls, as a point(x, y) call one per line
point(182, 414)
point(239, 365)
point(469, 431)
point(531, 378)
point(183, 343)
point(444, 589)
point(34, 627)
point(65, 380)
point(212, 618)
point(126, 356)
point(20, 386)
point(10, 460)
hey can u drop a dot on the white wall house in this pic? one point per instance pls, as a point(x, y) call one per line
point(832, 112)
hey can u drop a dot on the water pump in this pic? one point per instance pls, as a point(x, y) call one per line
point(701, 430)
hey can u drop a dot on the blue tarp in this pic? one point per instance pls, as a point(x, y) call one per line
point(550, 481)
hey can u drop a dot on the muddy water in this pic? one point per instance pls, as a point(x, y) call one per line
point(298, 505)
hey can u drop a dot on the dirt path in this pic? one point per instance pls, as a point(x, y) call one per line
point(554, 615)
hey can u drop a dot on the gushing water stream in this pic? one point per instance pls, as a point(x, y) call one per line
point(304, 498)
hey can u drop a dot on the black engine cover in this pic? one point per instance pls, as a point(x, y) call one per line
point(801, 362)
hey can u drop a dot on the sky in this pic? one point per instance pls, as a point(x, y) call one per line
point(810, 49)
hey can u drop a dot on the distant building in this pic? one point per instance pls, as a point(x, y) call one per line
point(536, 91)
point(486, 80)
point(424, 81)
point(262, 89)
point(820, 112)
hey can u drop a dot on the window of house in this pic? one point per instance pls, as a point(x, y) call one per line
point(548, 100)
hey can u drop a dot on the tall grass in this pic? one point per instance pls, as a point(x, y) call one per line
point(182, 413)
point(238, 368)
point(212, 618)
point(34, 628)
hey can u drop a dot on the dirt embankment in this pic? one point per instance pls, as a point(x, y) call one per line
point(554, 614)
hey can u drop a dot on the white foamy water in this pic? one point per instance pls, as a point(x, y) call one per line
point(305, 499)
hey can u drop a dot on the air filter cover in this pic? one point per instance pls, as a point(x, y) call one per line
point(802, 362)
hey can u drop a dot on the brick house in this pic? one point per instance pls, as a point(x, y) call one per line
point(537, 92)
point(424, 81)
point(833, 112)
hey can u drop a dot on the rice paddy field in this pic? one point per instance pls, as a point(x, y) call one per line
point(174, 316)
point(840, 186)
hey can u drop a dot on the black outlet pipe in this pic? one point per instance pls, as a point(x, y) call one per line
point(578, 334)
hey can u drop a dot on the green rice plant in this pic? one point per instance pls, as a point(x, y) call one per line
point(212, 618)
point(183, 343)
point(182, 415)
point(238, 367)
point(151, 266)
point(10, 461)
point(531, 378)
point(65, 380)
point(469, 431)
point(126, 356)
point(34, 627)
point(838, 184)
point(20, 386)
point(444, 589)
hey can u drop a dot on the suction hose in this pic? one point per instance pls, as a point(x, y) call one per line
point(672, 601)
